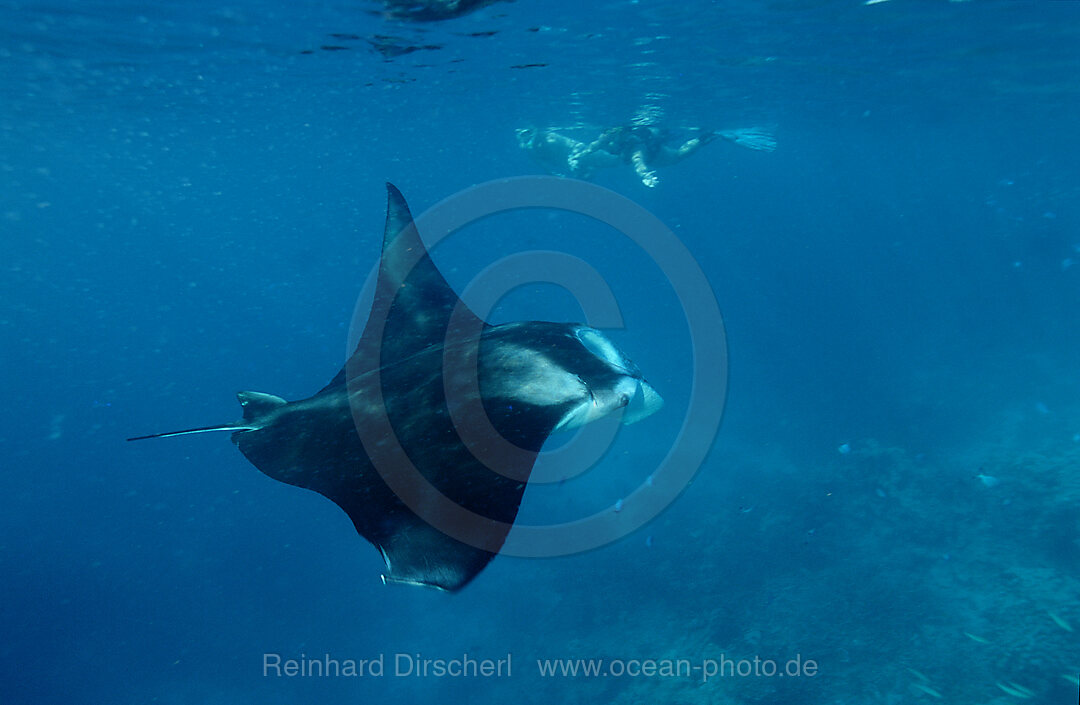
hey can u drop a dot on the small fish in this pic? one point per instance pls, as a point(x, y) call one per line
point(976, 639)
point(618, 505)
point(844, 448)
point(926, 689)
point(1016, 690)
point(988, 480)
point(1060, 621)
point(921, 676)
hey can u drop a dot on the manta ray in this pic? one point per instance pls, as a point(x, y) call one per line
point(435, 408)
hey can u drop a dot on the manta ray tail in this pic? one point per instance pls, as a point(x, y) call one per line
point(256, 407)
point(205, 429)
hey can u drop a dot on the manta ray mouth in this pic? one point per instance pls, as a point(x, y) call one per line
point(645, 402)
point(634, 398)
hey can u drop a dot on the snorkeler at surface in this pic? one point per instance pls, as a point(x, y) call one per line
point(562, 155)
point(645, 147)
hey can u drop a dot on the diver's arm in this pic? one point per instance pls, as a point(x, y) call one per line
point(647, 175)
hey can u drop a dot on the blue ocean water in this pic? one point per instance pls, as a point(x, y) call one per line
point(191, 195)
